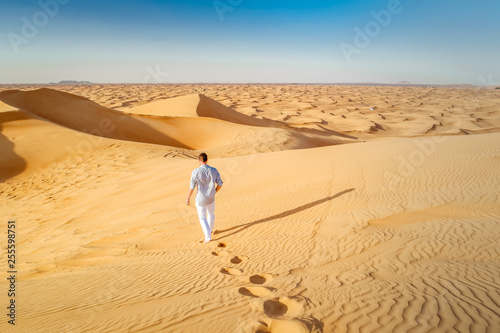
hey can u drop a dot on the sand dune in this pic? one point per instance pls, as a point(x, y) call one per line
point(351, 110)
point(197, 106)
point(184, 132)
point(395, 234)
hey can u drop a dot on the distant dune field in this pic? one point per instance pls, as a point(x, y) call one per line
point(344, 208)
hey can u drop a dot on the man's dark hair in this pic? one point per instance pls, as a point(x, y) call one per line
point(203, 157)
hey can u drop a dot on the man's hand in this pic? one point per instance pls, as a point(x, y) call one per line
point(188, 201)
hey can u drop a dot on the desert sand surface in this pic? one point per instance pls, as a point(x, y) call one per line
point(344, 208)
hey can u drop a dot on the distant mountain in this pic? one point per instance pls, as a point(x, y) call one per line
point(71, 82)
point(403, 82)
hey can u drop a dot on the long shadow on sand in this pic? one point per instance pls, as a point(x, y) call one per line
point(242, 227)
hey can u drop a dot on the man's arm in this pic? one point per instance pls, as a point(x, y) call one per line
point(188, 200)
point(218, 181)
point(192, 185)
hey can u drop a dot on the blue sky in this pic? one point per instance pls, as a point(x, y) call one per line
point(240, 41)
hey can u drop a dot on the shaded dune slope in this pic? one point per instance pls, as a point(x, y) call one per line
point(28, 143)
point(198, 105)
point(11, 164)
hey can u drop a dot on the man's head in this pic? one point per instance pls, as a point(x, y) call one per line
point(203, 158)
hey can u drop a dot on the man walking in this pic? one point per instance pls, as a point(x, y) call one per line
point(205, 177)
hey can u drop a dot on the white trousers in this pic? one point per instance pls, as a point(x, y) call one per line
point(207, 222)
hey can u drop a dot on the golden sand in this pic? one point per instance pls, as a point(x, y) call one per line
point(344, 209)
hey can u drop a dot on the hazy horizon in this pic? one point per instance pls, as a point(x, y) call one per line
point(242, 41)
point(79, 82)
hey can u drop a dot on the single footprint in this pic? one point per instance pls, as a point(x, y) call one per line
point(256, 292)
point(220, 253)
point(221, 245)
point(274, 308)
point(278, 307)
point(237, 260)
point(231, 271)
point(260, 278)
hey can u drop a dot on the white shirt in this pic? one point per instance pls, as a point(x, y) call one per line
point(205, 177)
